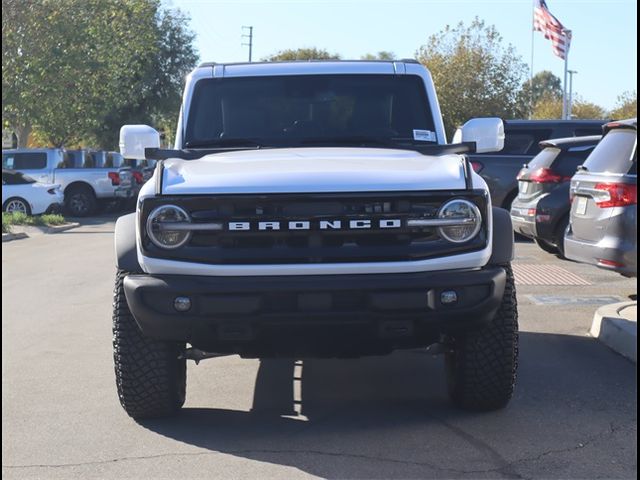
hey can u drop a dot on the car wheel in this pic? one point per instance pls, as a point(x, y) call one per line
point(18, 205)
point(546, 246)
point(80, 202)
point(481, 366)
point(561, 230)
point(151, 375)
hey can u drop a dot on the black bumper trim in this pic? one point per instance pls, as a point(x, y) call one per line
point(230, 314)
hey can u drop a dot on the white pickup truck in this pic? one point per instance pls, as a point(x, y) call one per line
point(313, 209)
point(83, 185)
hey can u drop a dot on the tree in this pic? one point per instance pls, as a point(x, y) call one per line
point(302, 54)
point(381, 55)
point(76, 70)
point(626, 106)
point(543, 85)
point(474, 74)
point(551, 108)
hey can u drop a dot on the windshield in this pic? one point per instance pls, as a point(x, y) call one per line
point(308, 109)
point(615, 153)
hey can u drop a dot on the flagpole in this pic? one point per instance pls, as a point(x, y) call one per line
point(565, 104)
point(533, 31)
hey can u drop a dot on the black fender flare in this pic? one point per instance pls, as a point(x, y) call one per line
point(125, 243)
point(502, 251)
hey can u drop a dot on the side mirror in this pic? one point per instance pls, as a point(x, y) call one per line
point(135, 138)
point(487, 133)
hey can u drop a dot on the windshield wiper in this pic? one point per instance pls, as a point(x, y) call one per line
point(353, 140)
point(224, 142)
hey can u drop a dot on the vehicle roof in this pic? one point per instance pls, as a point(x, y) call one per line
point(629, 123)
point(299, 62)
point(28, 150)
point(569, 142)
point(553, 123)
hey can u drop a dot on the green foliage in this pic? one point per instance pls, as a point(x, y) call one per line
point(382, 55)
point(76, 70)
point(302, 54)
point(474, 74)
point(626, 106)
point(543, 85)
point(19, 218)
point(551, 108)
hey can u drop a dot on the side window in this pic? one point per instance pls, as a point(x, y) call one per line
point(90, 160)
point(587, 132)
point(517, 143)
point(8, 160)
point(25, 161)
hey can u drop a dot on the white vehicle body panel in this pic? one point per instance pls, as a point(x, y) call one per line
point(36, 194)
point(313, 170)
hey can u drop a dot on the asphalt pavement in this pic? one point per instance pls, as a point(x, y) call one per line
point(573, 414)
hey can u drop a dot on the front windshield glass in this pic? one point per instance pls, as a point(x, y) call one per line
point(308, 109)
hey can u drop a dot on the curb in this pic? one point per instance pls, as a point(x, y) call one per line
point(616, 326)
point(7, 237)
point(59, 228)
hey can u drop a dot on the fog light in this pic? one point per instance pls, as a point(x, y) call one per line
point(448, 297)
point(182, 304)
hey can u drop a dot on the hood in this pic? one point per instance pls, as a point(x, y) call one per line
point(303, 170)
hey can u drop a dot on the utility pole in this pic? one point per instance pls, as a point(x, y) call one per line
point(250, 37)
point(571, 73)
point(565, 101)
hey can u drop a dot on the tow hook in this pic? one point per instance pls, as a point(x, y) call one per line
point(197, 355)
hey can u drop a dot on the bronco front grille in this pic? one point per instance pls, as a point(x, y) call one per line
point(313, 228)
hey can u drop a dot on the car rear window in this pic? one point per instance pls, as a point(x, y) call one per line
point(16, 178)
point(544, 159)
point(568, 161)
point(616, 152)
point(24, 161)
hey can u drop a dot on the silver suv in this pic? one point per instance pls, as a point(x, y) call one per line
point(603, 228)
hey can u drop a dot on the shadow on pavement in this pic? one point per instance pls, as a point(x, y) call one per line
point(388, 417)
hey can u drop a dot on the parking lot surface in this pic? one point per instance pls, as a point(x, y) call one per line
point(573, 414)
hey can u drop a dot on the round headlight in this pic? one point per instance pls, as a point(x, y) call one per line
point(159, 226)
point(468, 215)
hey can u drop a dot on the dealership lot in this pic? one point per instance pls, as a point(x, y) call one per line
point(573, 414)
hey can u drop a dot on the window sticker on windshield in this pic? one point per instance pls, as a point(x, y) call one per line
point(424, 135)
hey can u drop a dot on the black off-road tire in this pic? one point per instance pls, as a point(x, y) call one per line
point(80, 201)
point(481, 367)
point(150, 376)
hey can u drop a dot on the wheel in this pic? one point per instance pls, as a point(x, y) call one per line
point(561, 229)
point(80, 202)
point(16, 204)
point(546, 246)
point(481, 366)
point(150, 375)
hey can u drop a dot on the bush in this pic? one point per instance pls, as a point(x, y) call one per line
point(19, 218)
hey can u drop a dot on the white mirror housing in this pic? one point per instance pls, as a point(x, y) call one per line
point(135, 138)
point(487, 133)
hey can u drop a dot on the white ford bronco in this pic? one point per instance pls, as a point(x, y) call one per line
point(313, 209)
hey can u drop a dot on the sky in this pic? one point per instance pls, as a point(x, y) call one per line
point(603, 50)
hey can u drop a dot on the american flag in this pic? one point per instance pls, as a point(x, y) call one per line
point(550, 26)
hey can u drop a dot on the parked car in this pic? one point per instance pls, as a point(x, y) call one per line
point(522, 143)
point(603, 223)
point(21, 193)
point(82, 182)
point(541, 209)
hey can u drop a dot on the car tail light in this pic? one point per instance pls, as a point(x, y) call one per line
point(115, 178)
point(616, 194)
point(477, 166)
point(546, 175)
point(138, 177)
point(609, 263)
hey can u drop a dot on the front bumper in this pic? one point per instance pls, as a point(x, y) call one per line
point(340, 315)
